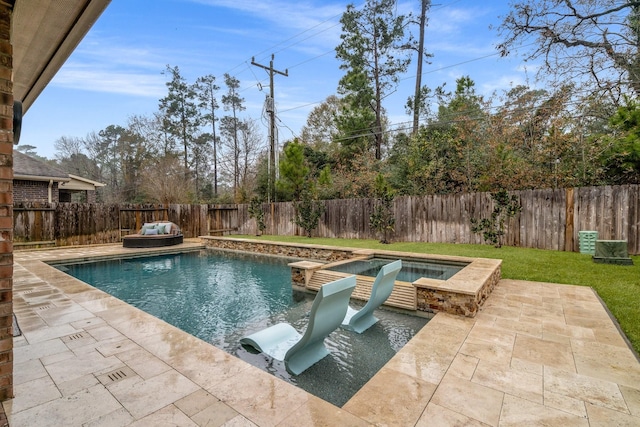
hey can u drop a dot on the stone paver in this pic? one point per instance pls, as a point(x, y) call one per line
point(536, 354)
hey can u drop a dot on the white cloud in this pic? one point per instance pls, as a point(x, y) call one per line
point(503, 82)
point(82, 77)
point(317, 23)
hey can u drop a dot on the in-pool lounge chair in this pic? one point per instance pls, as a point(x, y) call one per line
point(299, 352)
point(361, 320)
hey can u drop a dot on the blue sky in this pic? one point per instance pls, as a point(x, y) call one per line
point(116, 71)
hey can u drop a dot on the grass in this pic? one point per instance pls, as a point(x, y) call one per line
point(617, 285)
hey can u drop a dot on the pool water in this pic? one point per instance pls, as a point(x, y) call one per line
point(220, 297)
point(411, 270)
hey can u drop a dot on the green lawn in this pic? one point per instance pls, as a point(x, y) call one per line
point(618, 286)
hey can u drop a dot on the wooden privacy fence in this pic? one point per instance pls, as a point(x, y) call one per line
point(64, 224)
point(550, 219)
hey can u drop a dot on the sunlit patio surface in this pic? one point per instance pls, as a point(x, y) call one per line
point(536, 354)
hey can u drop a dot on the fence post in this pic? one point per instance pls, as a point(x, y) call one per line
point(569, 241)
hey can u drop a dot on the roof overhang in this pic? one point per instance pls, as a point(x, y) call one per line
point(40, 178)
point(44, 33)
point(78, 183)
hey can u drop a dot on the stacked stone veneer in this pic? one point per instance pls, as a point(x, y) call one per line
point(6, 201)
point(323, 253)
point(436, 298)
point(462, 295)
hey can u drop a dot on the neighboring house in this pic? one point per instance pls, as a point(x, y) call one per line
point(36, 181)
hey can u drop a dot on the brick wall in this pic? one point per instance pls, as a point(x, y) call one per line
point(34, 191)
point(6, 201)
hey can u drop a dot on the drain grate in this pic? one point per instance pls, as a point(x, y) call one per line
point(117, 375)
point(44, 307)
point(73, 337)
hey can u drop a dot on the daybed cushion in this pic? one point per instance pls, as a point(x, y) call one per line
point(160, 227)
point(167, 227)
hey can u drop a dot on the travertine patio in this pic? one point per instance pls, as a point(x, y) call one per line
point(537, 354)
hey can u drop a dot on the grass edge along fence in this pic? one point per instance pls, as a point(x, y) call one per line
point(550, 219)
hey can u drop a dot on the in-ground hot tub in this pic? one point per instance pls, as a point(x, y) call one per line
point(426, 283)
point(411, 271)
point(462, 294)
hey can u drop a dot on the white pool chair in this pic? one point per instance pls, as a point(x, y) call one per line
point(361, 320)
point(299, 352)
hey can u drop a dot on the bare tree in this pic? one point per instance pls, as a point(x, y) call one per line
point(578, 41)
point(163, 181)
point(67, 146)
point(206, 90)
point(230, 125)
point(252, 144)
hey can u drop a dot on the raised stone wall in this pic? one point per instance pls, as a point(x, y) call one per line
point(435, 299)
point(323, 253)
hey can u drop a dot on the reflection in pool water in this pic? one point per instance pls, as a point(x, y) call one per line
point(220, 297)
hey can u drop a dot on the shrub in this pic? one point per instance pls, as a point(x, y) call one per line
point(492, 228)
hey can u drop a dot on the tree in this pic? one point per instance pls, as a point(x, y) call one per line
point(230, 125)
point(200, 162)
point(308, 210)
point(163, 181)
point(461, 129)
point(371, 49)
point(251, 146)
point(295, 181)
point(206, 91)
point(597, 41)
point(355, 121)
point(256, 211)
point(29, 150)
point(294, 172)
point(320, 128)
point(66, 147)
point(181, 113)
point(105, 148)
point(622, 159)
point(382, 219)
point(529, 140)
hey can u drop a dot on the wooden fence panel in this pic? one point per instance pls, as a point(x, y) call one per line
point(550, 218)
point(33, 222)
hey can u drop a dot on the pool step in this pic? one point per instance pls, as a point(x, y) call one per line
point(402, 296)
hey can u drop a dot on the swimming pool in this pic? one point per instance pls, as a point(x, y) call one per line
point(221, 297)
point(411, 270)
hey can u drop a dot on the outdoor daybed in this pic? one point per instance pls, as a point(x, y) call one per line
point(153, 235)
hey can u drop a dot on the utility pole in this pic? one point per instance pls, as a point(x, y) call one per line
point(417, 96)
point(272, 126)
